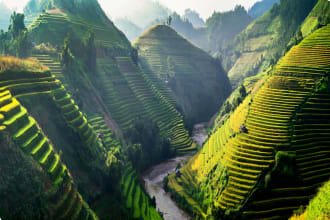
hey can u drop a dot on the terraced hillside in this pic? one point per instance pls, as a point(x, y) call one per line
point(50, 62)
point(320, 15)
point(64, 201)
point(265, 40)
point(104, 132)
point(318, 208)
point(126, 92)
point(129, 94)
point(57, 26)
point(136, 199)
point(277, 162)
point(183, 71)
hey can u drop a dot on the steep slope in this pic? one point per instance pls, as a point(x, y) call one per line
point(274, 164)
point(261, 7)
point(264, 41)
point(318, 208)
point(28, 79)
point(320, 15)
point(57, 139)
point(182, 71)
point(117, 85)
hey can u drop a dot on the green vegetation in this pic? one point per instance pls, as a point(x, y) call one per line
point(124, 91)
point(137, 201)
point(26, 134)
point(284, 115)
point(146, 147)
point(179, 69)
point(261, 7)
point(15, 41)
point(264, 41)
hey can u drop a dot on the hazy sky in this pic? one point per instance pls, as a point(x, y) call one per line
point(121, 8)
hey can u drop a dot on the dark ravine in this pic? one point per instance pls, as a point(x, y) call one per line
point(154, 180)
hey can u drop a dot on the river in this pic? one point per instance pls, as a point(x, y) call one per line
point(154, 179)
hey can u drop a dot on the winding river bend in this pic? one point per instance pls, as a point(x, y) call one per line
point(154, 180)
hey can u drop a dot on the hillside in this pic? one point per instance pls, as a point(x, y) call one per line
point(318, 208)
point(194, 79)
point(320, 15)
point(74, 159)
point(123, 91)
point(25, 81)
point(261, 7)
point(264, 41)
point(277, 162)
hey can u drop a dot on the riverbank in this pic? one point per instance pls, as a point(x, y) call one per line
point(154, 186)
point(154, 179)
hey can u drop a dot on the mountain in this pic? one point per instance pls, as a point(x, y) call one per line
point(222, 27)
point(194, 18)
point(131, 30)
point(261, 7)
point(79, 118)
point(193, 78)
point(4, 16)
point(219, 30)
point(264, 41)
point(270, 156)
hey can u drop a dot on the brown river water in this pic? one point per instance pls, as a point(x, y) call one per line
point(154, 180)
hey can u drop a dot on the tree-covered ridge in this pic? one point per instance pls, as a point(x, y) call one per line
point(242, 172)
point(184, 71)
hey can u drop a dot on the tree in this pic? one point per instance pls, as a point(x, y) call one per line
point(66, 56)
point(169, 20)
point(242, 91)
point(91, 51)
point(22, 45)
point(16, 24)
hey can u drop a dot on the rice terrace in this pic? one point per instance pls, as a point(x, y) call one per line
point(164, 109)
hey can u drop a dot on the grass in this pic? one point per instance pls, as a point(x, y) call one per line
point(17, 65)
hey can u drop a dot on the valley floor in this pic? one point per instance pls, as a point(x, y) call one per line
point(154, 180)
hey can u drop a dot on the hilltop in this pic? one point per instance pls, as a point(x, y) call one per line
point(278, 159)
point(195, 79)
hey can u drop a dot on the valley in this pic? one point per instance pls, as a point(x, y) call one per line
point(168, 113)
point(155, 175)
